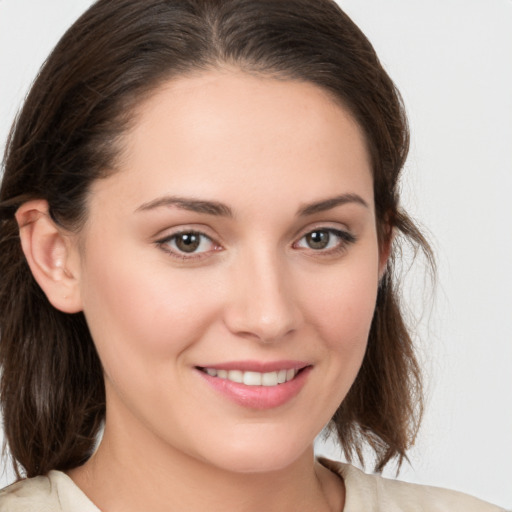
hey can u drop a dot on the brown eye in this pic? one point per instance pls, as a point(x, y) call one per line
point(325, 240)
point(188, 242)
point(318, 239)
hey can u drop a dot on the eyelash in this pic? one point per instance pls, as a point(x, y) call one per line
point(165, 243)
point(345, 239)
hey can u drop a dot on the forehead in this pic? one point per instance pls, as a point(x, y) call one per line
point(235, 137)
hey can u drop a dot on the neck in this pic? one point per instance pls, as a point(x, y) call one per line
point(127, 476)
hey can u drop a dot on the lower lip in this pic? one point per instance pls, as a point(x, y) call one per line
point(258, 397)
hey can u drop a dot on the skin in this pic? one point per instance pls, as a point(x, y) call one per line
point(254, 290)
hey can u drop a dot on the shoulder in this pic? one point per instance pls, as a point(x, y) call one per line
point(373, 492)
point(29, 495)
point(55, 492)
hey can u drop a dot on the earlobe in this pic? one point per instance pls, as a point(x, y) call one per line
point(48, 249)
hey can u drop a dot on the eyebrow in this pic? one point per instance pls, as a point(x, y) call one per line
point(220, 209)
point(185, 203)
point(330, 203)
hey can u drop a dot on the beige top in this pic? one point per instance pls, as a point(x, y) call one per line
point(56, 492)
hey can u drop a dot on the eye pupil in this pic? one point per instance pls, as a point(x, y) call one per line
point(318, 239)
point(188, 242)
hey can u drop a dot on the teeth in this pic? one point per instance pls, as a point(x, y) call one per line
point(269, 379)
point(253, 378)
point(236, 376)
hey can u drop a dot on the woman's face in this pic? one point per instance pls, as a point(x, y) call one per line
point(229, 270)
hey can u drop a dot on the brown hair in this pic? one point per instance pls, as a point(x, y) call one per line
point(66, 136)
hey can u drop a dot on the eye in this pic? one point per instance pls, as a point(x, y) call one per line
point(325, 239)
point(188, 243)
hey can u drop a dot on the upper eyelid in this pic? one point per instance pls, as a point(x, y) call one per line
point(336, 231)
point(327, 226)
point(170, 232)
point(172, 236)
point(183, 232)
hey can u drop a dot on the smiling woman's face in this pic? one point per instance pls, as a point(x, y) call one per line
point(229, 270)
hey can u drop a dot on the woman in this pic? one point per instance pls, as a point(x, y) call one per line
point(199, 219)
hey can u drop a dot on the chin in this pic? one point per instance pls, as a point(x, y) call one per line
point(260, 456)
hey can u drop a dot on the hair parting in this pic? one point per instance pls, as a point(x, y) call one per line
point(69, 133)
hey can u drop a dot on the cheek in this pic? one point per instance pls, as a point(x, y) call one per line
point(142, 313)
point(344, 309)
point(339, 309)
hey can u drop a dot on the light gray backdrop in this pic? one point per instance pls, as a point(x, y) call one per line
point(452, 61)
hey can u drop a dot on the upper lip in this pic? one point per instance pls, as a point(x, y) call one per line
point(258, 366)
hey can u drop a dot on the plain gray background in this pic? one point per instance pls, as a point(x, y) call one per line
point(452, 61)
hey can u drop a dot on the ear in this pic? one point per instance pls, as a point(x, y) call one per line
point(51, 255)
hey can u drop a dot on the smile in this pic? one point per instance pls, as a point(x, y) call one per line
point(257, 385)
point(251, 378)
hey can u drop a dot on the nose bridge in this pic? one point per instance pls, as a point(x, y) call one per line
point(262, 302)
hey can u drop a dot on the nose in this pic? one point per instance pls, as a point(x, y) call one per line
point(262, 302)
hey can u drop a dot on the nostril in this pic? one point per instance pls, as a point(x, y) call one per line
point(262, 303)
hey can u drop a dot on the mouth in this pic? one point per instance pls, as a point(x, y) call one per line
point(257, 385)
point(252, 378)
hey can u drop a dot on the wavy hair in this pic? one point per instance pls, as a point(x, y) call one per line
point(67, 136)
